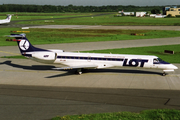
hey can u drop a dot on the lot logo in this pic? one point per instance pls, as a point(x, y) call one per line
point(24, 45)
point(134, 62)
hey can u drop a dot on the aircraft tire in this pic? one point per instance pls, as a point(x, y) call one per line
point(164, 74)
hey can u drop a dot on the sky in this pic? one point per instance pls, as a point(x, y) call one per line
point(94, 2)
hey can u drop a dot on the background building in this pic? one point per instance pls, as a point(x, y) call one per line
point(173, 11)
point(140, 14)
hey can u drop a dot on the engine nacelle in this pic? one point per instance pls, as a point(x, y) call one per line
point(44, 57)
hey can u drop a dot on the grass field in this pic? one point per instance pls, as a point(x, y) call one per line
point(92, 19)
point(32, 16)
point(154, 50)
point(53, 36)
point(107, 20)
point(160, 114)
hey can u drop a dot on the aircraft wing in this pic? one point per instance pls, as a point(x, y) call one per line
point(76, 67)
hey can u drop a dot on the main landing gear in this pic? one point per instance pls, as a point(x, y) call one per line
point(79, 71)
point(164, 74)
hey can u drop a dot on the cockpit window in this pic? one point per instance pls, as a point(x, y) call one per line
point(157, 60)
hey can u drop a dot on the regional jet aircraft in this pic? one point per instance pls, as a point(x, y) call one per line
point(81, 61)
point(7, 20)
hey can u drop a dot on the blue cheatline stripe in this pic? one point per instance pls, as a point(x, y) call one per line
point(90, 58)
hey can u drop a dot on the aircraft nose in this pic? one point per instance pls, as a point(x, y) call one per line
point(174, 67)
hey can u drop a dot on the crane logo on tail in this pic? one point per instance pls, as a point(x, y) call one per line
point(24, 45)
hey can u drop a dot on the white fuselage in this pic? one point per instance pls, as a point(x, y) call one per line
point(104, 60)
point(99, 60)
point(81, 61)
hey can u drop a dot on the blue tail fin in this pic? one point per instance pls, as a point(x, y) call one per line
point(24, 44)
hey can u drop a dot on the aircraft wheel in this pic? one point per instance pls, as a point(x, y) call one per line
point(80, 73)
point(164, 74)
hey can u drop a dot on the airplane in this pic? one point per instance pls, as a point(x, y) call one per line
point(7, 20)
point(80, 61)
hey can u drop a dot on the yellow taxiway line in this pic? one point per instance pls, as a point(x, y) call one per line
point(9, 53)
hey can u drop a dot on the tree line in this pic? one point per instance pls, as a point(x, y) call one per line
point(72, 8)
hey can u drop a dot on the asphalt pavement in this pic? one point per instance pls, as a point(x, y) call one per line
point(31, 90)
point(43, 103)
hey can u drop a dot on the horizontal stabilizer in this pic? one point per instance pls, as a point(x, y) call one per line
point(12, 40)
point(76, 67)
point(16, 35)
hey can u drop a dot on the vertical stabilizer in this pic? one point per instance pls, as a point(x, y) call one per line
point(8, 18)
point(24, 44)
point(28, 50)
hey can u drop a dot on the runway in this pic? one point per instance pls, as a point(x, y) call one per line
point(176, 28)
point(31, 90)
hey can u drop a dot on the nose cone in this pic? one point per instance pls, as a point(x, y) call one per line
point(173, 67)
